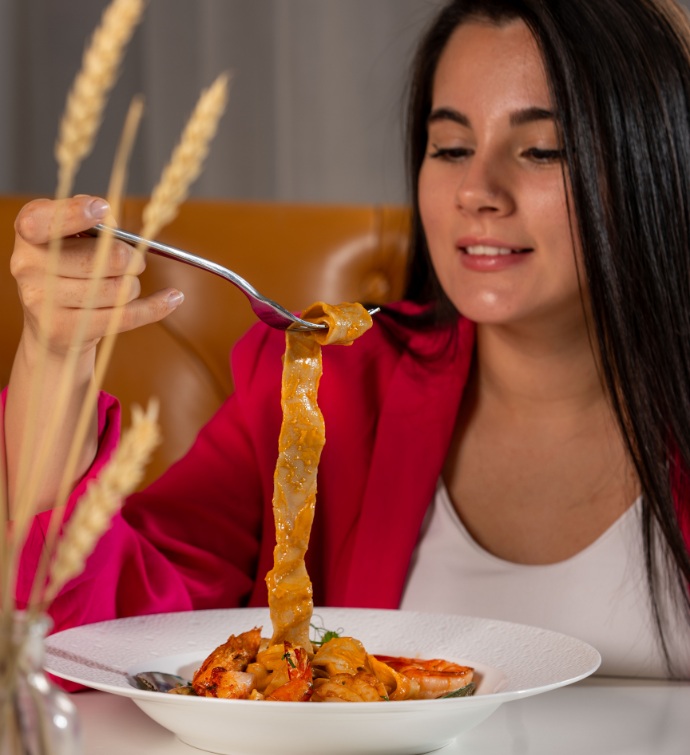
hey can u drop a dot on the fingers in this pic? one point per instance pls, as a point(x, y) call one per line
point(43, 219)
point(37, 223)
point(73, 293)
point(80, 280)
point(77, 258)
point(67, 321)
point(135, 314)
point(149, 309)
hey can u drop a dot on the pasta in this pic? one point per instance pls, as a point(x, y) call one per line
point(289, 667)
point(302, 437)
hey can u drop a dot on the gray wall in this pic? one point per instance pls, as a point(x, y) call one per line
point(315, 106)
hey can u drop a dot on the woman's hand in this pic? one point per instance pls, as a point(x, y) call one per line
point(75, 269)
point(70, 294)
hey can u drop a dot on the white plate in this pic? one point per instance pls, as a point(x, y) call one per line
point(513, 661)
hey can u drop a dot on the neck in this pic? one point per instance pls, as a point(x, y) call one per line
point(532, 371)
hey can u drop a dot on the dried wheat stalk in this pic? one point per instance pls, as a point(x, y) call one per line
point(64, 387)
point(187, 159)
point(88, 96)
point(76, 443)
point(103, 498)
point(79, 125)
point(182, 169)
point(184, 166)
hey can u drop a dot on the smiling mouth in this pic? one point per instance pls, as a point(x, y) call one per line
point(491, 251)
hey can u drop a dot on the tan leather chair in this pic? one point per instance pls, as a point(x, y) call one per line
point(294, 254)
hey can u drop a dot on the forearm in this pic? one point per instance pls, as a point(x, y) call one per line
point(34, 396)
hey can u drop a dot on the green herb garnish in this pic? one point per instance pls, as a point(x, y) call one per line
point(324, 635)
point(466, 691)
point(287, 657)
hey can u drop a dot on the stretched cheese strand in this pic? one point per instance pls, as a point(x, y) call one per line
point(302, 438)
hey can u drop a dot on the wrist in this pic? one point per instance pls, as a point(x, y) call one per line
point(34, 355)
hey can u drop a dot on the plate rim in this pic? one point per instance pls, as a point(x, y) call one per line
point(53, 641)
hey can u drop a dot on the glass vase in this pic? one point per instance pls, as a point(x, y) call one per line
point(36, 716)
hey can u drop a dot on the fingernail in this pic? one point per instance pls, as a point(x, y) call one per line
point(175, 299)
point(97, 209)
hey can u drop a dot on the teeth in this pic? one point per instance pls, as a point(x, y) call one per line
point(488, 250)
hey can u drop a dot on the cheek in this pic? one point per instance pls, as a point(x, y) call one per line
point(550, 219)
point(433, 198)
point(552, 203)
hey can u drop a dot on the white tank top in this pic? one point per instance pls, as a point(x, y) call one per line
point(599, 595)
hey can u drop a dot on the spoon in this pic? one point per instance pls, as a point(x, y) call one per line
point(156, 681)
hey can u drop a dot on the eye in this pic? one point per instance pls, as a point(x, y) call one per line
point(450, 154)
point(544, 155)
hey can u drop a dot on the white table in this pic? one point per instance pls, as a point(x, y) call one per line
point(596, 717)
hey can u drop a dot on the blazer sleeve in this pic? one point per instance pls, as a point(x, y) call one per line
point(108, 435)
point(191, 539)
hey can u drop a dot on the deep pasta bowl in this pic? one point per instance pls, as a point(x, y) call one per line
point(512, 661)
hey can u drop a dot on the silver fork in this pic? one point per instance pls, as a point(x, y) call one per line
point(265, 309)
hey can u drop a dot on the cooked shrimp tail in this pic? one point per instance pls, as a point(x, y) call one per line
point(429, 679)
point(223, 673)
point(299, 685)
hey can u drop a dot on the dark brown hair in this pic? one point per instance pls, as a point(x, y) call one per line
point(619, 72)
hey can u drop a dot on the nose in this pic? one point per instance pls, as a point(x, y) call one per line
point(482, 189)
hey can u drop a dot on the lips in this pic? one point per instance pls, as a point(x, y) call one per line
point(489, 250)
point(486, 254)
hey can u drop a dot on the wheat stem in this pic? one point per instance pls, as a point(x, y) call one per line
point(87, 99)
point(182, 169)
point(187, 158)
point(78, 128)
point(103, 498)
point(115, 191)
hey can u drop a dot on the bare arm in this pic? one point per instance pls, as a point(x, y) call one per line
point(75, 268)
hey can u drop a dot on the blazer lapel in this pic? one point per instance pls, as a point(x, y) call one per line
point(412, 439)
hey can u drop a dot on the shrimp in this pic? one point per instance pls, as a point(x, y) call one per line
point(429, 679)
point(223, 673)
point(299, 684)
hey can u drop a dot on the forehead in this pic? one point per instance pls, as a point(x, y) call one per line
point(485, 65)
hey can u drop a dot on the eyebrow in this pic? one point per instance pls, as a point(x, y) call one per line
point(518, 118)
point(530, 115)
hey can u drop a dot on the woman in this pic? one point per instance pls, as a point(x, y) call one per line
point(618, 75)
point(531, 387)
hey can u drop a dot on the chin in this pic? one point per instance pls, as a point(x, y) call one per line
point(484, 313)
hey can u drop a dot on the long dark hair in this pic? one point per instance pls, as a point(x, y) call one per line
point(619, 72)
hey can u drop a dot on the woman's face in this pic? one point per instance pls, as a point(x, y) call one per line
point(491, 188)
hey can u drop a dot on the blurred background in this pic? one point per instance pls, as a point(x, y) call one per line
point(316, 102)
point(316, 99)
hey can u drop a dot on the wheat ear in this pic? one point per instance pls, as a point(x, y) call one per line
point(103, 498)
point(88, 96)
point(187, 158)
point(183, 167)
point(117, 183)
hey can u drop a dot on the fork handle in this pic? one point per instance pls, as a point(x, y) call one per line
point(173, 253)
point(265, 309)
